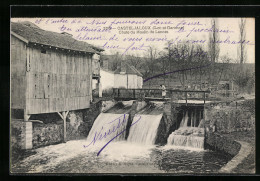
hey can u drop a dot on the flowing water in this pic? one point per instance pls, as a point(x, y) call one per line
point(120, 157)
point(107, 126)
point(188, 136)
point(136, 154)
point(145, 131)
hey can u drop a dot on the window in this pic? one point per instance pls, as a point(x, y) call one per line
point(43, 51)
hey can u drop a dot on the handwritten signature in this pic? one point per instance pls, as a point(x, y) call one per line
point(99, 136)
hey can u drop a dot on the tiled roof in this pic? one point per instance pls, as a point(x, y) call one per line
point(34, 34)
point(138, 73)
point(129, 70)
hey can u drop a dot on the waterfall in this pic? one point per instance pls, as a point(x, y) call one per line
point(107, 126)
point(195, 118)
point(186, 141)
point(201, 123)
point(191, 120)
point(145, 131)
point(190, 137)
point(184, 121)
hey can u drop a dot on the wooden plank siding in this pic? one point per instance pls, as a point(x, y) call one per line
point(59, 81)
point(56, 81)
point(18, 73)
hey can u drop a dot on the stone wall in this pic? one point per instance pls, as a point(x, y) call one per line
point(164, 130)
point(89, 116)
point(75, 125)
point(20, 138)
point(229, 117)
point(167, 124)
point(78, 125)
point(49, 128)
point(21, 134)
point(47, 134)
point(215, 141)
point(17, 134)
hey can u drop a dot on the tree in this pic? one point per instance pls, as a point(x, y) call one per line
point(179, 56)
point(213, 46)
point(152, 55)
point(213, 52)
point(222, 66)
point(116, 61)
point(201, 59)
point(242, 36)
point(134, 60)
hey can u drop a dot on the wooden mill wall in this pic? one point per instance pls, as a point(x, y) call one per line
point(55, 81)
point(18, 73)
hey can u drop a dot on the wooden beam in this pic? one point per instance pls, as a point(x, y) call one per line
point(26, 117)
point(64, 126)
point(63, 116)
point(204, 97)
point(36, 121)
point(186, 98)
point(204, 114)
point(114, 92)
point(60, 115)
point(66, 114)
point(19, 37)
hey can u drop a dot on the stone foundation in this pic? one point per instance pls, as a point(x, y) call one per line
point(217, 142)
point(21, 134)
point(47, 134)
point(48, 129)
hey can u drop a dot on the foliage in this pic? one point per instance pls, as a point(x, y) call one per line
point(245, 79)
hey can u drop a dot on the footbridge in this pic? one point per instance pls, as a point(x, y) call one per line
point(172, 95)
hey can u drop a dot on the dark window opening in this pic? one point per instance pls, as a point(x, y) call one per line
point(43, 51)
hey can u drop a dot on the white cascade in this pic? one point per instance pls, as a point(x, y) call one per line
point(107, 126)
point(184, 121)
point(191, 137)
point(145, 130)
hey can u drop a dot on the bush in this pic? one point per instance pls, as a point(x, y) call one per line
point(245, 81)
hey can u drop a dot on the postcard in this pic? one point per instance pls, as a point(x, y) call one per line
point(132, 95)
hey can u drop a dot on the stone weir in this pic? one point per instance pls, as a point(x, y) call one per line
point(151, 118)
point(190, 132)
point(158, 121)
point(189, 137)
point(162, 122)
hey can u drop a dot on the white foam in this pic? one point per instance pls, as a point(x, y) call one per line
point(145, 130)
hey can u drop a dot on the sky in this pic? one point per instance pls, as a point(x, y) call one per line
point(133, 36)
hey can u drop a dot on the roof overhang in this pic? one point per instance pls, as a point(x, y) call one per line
point(19, 37)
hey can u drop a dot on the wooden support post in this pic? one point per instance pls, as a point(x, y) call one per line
point(186, 98)
point(134, 93)
point(204, 98)
point(199, 116)
point(26, 116)
point(118, 94)
point(63, 116)
point(191, 119)
point(64, 126)
point(204, 114)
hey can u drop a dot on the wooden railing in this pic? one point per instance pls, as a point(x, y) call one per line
point(157, 93)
